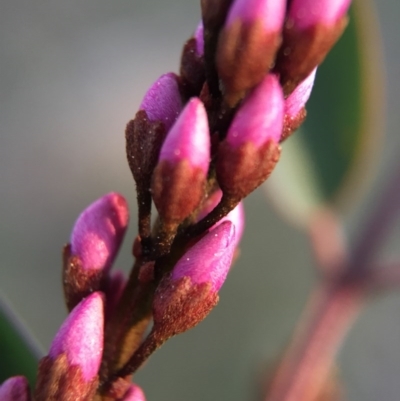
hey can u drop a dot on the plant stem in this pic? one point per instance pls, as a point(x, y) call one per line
point(307, 363)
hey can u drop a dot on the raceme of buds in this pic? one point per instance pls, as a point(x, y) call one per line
point(311, 29)
point(250, 150)
point(248, 43)
point(71, 367)
point(187, 296)
point(235, 216)
point(180, 175)
point(15, 389)
point(95, 241)
point(295, 112)
point(162, 101)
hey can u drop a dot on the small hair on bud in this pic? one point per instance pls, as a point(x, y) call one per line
point(80, 337)
point(99, 231)
point(209, 260)
point(162, 101)
point(15, 389)
point(304, 14)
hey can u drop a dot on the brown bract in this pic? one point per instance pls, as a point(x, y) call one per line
point(177, 189)
point(58, 381)
point(245, 54)
point(302, 51)
point(180, 305)
point(241, 170)
point(290, 124)
point(78, 282)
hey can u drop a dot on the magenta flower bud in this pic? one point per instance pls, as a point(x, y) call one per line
point(80, 337)
point(15, 389)
point(235, 216)
point(99, 231)
point(270, 13)
point(304, 14)
point(298, 98)
point(189, 138)
point(209, 260)
point(260, 118)
point(199, 37)
point(248, 44)
point(162, 101)
point(135, 393)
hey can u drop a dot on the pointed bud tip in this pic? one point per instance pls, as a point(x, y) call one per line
point(304, 14)
point(260, 118)
point(199, 37)
point(209, 260)
point(99, 231)
point(189, 137)
point(270, 13)
point(298, 98)
point(162, 101)
point(81, 336)
point(15, 389)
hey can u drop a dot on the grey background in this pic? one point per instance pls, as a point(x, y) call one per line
point(71, 75)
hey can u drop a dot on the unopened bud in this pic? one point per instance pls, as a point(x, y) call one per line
point(295, 111)
point(15, 389)
point(248, 43)
point(135, 393)
point(311, 29)
point(250, 150)
point(180, 175)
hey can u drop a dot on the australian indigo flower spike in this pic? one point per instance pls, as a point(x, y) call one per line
point(250, 150)
point(15, 389)
point(95, 241)
point(71, 367)
point(311, 29)
point(180, 175)
point(248, 43)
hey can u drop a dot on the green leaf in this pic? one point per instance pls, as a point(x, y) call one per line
point(19, 354)
point(331, 158)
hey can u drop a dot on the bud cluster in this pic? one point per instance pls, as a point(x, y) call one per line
point(199, 144)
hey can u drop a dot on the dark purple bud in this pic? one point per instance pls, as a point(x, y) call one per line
point(162, 101)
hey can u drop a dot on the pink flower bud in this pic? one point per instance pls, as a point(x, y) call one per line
point(235, 216)
point(270, 12)
point(304, 14)
point(135, 393)
point(162, 101)
point(80, 337)
point(199, 36)
point(209, 260)
point(298, 98)
point(260, 118)
point(15, 389)
point(99, 231)
point(189, 137)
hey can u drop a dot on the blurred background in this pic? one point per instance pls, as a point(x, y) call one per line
point(71, 75)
